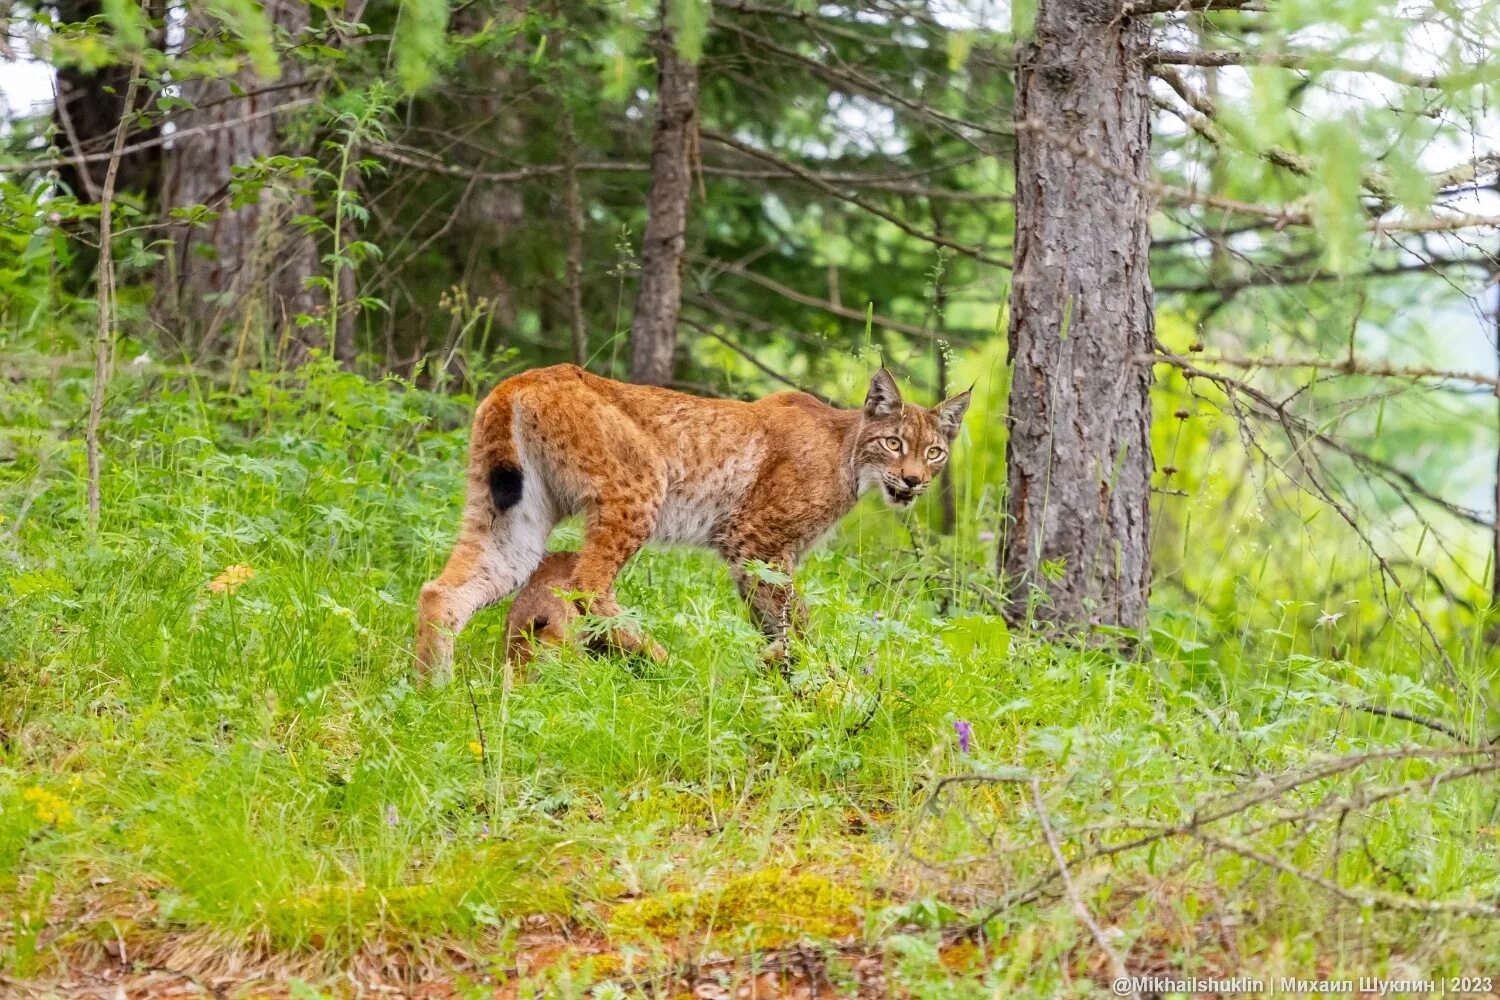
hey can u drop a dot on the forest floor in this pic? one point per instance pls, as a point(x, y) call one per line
point(217, 775)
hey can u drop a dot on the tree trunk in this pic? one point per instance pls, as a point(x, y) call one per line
point(947, 504)
point(1079, 463)
point(246, 270)
point(1495, 531)
point(653, 331)
point(573, 207)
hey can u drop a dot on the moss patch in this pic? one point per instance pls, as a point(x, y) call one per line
point(771, 906)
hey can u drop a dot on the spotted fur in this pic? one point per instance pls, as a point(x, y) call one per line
point(539, 616)
point(756, 482)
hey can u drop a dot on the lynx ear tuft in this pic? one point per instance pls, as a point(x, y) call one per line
point(884, 398)
point(950, 414)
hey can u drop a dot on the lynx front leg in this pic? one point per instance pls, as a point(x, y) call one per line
point(776, 608)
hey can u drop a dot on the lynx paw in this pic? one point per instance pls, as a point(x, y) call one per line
point(776, 654)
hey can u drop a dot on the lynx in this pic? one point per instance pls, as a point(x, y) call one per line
point(539, 616)
point(757, 482)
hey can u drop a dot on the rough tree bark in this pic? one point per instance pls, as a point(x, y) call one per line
point(653, 330)
point(1077, 548)
point(247, 269)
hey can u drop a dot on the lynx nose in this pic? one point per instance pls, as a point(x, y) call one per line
point(912, 481)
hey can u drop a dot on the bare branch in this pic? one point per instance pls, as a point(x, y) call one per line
point(27, 166)
point(802, 298)
point(856, 200)
point(418, 159)
point(1278, 412)
point(1305, 61)
point(1281, 217)
point(847, 77)
point(1349, 366)
point(1140, 7)
point(1295, 428)
point(709, 331)
point(1278, 278)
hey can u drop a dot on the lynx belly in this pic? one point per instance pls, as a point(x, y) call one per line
point(699, 502)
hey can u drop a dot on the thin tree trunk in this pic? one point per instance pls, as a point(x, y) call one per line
point(1495, 553)
point(104, 339)
point(653, 331)
point(1077, 548)
point(249, 259)
point(947, 505)
point(574, 208)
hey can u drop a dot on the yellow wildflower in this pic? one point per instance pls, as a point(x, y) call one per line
point(49, 807)
point(231, 579)
point(477, 749)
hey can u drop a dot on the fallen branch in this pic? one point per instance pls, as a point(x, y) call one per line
point(1405, 716)
point(1239, 803)
point(1081, 911)
point(1365, 898)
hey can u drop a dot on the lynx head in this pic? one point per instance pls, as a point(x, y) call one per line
point(901, 446)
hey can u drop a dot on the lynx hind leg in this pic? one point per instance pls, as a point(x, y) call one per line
point(496, 551)
point(613, 533)
point(618, 479)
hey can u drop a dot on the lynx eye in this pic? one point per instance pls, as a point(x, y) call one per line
point(893, 443)
point(934, 453)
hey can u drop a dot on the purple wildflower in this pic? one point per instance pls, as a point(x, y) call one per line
point(986, 536)
point(965, 734)
point(392, 817)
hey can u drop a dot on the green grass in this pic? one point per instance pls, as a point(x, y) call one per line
point(253, 774)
